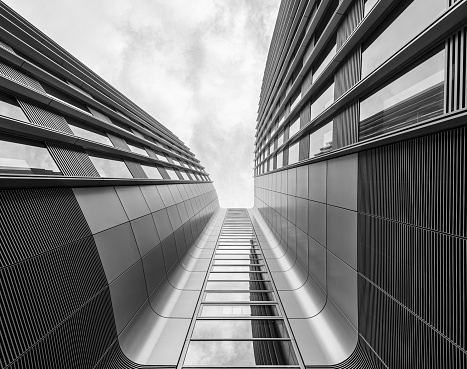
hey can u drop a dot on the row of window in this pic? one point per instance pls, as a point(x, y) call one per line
point(21, 156)
point(9, 107)
point(414, 96)
point(77, 104)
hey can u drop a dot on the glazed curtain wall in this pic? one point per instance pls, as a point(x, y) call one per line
point(78, 266)
point(398, 252)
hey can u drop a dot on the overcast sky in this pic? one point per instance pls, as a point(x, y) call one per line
point(194, 65)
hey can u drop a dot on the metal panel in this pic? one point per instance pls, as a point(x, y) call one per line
point(342, 182)
point(45, 118)
point(145, 234)
point(73, 161)
point(345, 127)
point(133, 201)
point(135, 169)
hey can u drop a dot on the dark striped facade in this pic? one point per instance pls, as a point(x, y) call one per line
point(371, 230)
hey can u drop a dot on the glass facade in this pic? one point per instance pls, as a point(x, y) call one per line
point(323, 101)
point(110, 167)
point(321, 140)
point(151, 172)
point(10, 108)
point(90, 134)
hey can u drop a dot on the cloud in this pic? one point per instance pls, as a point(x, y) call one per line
point(195, 66)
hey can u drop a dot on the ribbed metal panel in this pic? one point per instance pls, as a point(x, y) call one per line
point(456, 73)
point(72, 161)
point(304, 148)
point(306, 82)
point(166, 176)
point(305, 115)
point(286, 133)
point(54, 282)
point(99, 115)
point(361, 358)
point(345, 127)
point(20, 77)
point(7, 47)
point(348, 75)
point(45, 118)
point(352, 19)
point(151, 153)
point(421, 182)
point(34, 221)
point(118, 142)
point(135, 169)
point(114, 358)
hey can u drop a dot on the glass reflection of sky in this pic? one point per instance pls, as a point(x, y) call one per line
point(233, 251)
point(151, 172)
point(138, 150)
point(235, 268)
point(232, 261)
point(239, 329)
point(235, 276)
point(110, 168)
point(238, 310)
point(90, 135)
point(319, 138)
point(171, 174)
point(236, 285)
point(324, 63)
point(323, 101)
point(238, 296)
point(10, 109)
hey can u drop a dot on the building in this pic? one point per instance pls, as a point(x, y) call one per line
point(115, 254)
point(360, 179)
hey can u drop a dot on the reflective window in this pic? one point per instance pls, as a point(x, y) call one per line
point(171, 174)
point(10, 108)
point(239, 310)
point(294, 127)
point(405, 22)
point(90, 134)
point(369, 4)
point(162, 157)
point(236, 276)
point(184, 176)
point(110, 167)
point(151, 172)
point(293, 153)
point(295, 100)
point(413, 97)
point(279, 160)
point(137, 149)
point(228, 262)
point(331, 52)
point(25, 157)
point(231, 329)
point(238, 296)
point(253, 285)
point(236, 268)
point(235, 353)
point(220, 252)
point(323, 101)
point(280, 139)
point(321, 140)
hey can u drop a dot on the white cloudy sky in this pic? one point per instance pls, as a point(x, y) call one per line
point(194, 65)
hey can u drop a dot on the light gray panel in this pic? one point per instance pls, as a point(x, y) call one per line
point(183, 193)
point(302, 214)
point(166, 195)
point(189, 209)
point(170, 252)
point(133, 201)
point(117, 250)
point(291, 208)
point(174, 217)
point(153, 198)
point(101, 207)
point(342, 287)
point(317, 221)
point(163, 225)
point(317, 261)
point(302, 182)
point(182, 211)
point(180, 241)
point(342, 234)
point(175, 193)
point(128, 293)
point(145, 233)
point(342, 181)
point(302, 247)
point(317, 181)
point(154, 268)
point(292, 181)
point(283, 184)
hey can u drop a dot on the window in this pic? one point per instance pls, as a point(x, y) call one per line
point(404, 23)
point(323, 101)
point(321, 140)
point(25, 157)
point(280, 139)
point(184, 176)
point(151, 172)
point(279, 160)
point(10, 108)
point(110, 167)
point(171, 174)
point(329, 53)
point(137, 149)
point(293, 153)
point(162, 157)
point(369, 4)
point(239, 329)
point(62, 96)
point(415, 96)
point(295, 100)
point(89, 133)
point(294, 127)
point(79, 89)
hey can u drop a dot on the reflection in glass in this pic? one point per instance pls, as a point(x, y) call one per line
point(110, 167)
point(234, 251)
point(10, 108)
point(280, 139)
point(238, 296)
point(184, 176)
point(322, 66)
point(294, 127)
point(236, 276)
point(293, 153)
point(90, 134)
point(413, 97)
point(232, 329)
point(239, 310)
point(235, 353)
point(321, 140)
point(25, 157)
point(279, 160)
point(252, 285)
point(323, 101)
point(151, 172)
point(412, 18)
point(237, 268)
point(137, 149)
point(369, 4)
point(171, 174)
point(226, 261)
